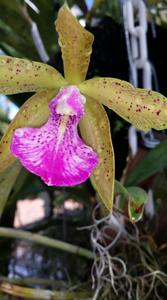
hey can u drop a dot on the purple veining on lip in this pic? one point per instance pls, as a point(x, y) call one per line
point(55, 152)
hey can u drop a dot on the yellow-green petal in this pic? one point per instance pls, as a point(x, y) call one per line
point(76, 45)
point(33, 113)
point(95, 130)
point(22, 75)
point(143, 108)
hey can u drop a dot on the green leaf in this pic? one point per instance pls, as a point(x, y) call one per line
point(119, 189)
point(21, 75)
point(95, 130)
point(3, 127)
point(3, 116)
point(76, 45)
point(7, 180)
point(15, 36)
point(142, 108)
point(153, 162)
point(20, 183)
point(33, 113)
point(136, 198)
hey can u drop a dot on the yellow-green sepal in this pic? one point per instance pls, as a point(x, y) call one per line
point(21, 75)
point(143, 108)
point(95, 130)
point(76, 45)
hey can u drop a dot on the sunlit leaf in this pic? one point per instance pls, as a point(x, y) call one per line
point(138, 197)
point(142, 108)
point(33, 113)
point(76, 45)
point(7, 180)
point(95, 130)
point(21, 75)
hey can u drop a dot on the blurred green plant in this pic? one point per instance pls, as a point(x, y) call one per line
point(153, 162)
point(15, 37)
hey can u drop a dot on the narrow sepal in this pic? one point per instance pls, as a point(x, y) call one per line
point(76, 45)
point(95, 130)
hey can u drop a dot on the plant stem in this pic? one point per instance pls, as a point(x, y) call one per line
point(34, 281)
point(46, 241)
point(42, 294)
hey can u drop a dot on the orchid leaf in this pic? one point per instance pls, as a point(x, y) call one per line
point(95, 130)
point(76, 45)
point(33, 113)
point(22, 75)
point(153, 162)
point(136, 198)
point(7, 180)
point(143, 108)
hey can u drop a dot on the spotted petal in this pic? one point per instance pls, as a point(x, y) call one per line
point(142, 108)
point(55, 152)
point(95, 130)
point(34, 112)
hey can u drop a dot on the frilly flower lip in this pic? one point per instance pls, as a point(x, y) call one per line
point(55, 152)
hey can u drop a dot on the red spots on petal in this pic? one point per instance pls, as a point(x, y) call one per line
point(158, 112)
point(157, 100)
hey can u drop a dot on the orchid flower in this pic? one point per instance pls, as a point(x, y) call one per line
point(43, 135)
point(55, 151)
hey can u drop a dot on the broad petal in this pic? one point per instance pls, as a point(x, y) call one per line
point(142, 108)
point(34, 112)
point(95, 130)
point(76, 45)
point(55, 152)
point(21, 75)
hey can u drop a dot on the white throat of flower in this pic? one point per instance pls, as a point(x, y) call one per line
point(63, 108)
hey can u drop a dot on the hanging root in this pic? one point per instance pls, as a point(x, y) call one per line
point(124, 266)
